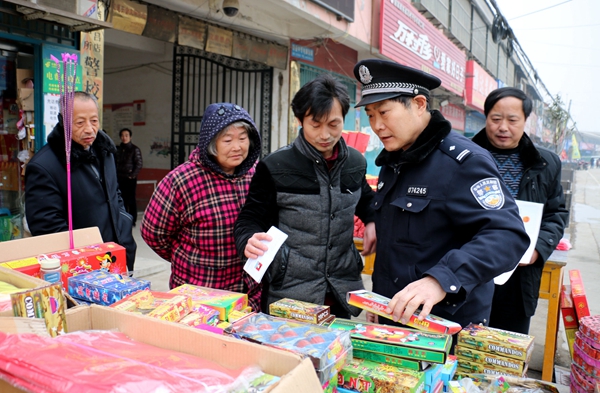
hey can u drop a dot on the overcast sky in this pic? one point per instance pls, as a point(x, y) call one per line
point(563, 44)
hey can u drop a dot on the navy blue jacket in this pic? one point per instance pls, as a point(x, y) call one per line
point(541, 184)
point(443, 211)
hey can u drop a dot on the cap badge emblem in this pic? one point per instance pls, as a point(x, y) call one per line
point(416, 91)
point(365, 74)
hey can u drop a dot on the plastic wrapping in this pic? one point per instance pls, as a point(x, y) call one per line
point(105, 361)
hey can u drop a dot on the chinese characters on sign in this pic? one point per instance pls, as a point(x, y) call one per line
point(478, 85)
point(408, 38)
point(455, 115)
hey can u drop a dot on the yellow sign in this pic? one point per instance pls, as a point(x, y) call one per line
point(575, 154)
point(129, 16)
point(219, 41)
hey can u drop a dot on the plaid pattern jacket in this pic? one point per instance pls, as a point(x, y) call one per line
point(189, 222)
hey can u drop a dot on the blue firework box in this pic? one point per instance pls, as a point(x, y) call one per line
point(102, 287)
point(329, 350)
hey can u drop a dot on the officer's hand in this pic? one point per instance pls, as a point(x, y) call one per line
point(369, 239)
point(373, 318)
point(425, 292)
point(255, 247)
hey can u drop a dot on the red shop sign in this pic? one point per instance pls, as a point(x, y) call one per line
point(408, 38)
point(479, 84)
point(455, 115)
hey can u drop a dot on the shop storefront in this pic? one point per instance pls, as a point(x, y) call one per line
point(29, 94)
point(477, 87)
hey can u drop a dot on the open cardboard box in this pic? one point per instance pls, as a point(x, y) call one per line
point(297, 375)
point(31, 246)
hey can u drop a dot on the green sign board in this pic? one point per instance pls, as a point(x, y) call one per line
point(50, 76)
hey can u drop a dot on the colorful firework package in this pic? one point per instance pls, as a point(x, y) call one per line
point(371, 377)
point(222, 301)
point(410, 344)
point(104, 288)
point(377, 304)
point(328, 349)
point(299, 311)
point(585, 368)
point(46, 302)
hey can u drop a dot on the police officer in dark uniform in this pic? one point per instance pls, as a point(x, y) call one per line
point(446, 224)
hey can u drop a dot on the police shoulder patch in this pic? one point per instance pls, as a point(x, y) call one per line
point(454, 150)
point(488, 193)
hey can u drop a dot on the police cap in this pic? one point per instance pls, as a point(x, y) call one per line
point(384, 79)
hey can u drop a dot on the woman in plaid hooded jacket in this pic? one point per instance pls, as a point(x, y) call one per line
point(189, 219)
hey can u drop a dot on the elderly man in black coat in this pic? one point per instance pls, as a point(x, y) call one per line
point(96, 200)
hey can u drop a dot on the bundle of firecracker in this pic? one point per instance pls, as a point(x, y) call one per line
point(484, 350)
point(585, 368)
point(375, 303)
point(328, 349)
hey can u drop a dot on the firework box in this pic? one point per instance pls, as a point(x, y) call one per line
point(433, 375)
point(47, 302)
point(449, 369)
point(567, 308)
point(297, 374)
point(299, 311)
point(102, 287)
point(495, 341)
point(222, 301)
point(328, 349)
point(29, 266)
point(89, 252)
point(377, 304)
point(166, 306)
point(511, 366)
point(416, 365)
point(372, 377)
point(466, 367)
point(396, 341)
point(578, 294)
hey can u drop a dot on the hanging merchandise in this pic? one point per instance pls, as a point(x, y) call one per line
point(66, 82)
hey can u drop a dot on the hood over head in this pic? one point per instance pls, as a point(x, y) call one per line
point(216, 118)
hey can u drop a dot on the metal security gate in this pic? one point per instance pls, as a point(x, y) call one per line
point(201, 78)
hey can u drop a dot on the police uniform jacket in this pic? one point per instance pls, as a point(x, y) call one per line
point(294, 190)
point(540, 183)
point(443, 211)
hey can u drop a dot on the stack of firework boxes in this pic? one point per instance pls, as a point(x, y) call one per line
point(573, 306)
point(485, 350)
point(393, 359)
point(585, 368)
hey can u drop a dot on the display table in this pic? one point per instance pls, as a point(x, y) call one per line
point(552, 278)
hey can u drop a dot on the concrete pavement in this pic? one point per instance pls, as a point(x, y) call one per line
point(584, 231)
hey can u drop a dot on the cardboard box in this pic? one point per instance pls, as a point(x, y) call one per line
point(297, 375)
point(299, 311)
point(19, 280)
point(104, 288)
point(371, 377)
point(511, 366)
point(397, 341)
point(496, 341)
point(567, 309)
point(222, 301)
point(465, 367)
point(396, 361)
point(578, 294)
point(25, 98)
point(377, 304)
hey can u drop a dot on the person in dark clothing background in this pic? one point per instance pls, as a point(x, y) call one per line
point(96, 201)
point(129, 164)
point(531, 174)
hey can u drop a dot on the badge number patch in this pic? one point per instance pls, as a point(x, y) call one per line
point(488, 193)
point(417, 191)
